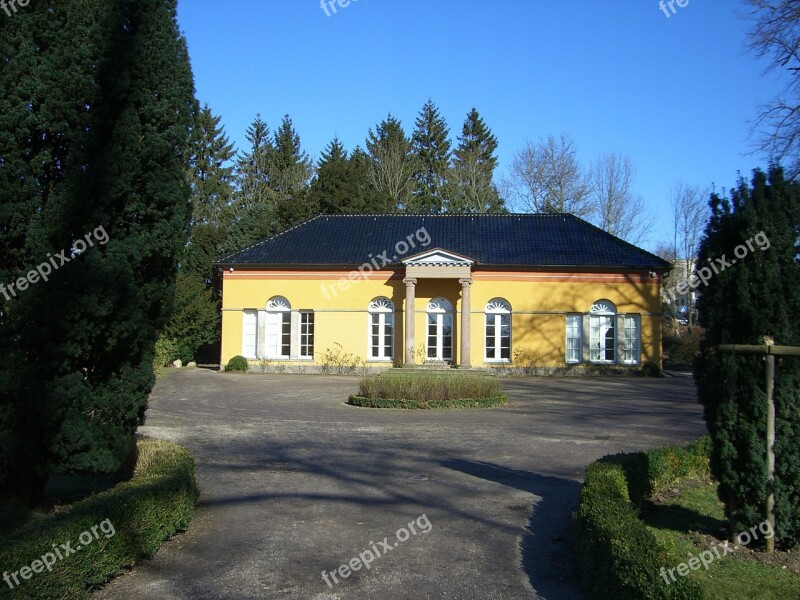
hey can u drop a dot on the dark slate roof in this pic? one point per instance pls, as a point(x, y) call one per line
point(561, 240)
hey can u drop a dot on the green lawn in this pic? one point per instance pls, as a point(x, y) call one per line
point(692, 521)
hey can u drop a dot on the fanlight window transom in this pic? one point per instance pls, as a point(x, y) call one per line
point(279, 303)
point(498, 306)
point(381, 305)
point(439, 305)
point(603, 307)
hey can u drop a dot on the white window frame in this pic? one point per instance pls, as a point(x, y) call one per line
point(632, 340)
point(381, 314)
point(498, 316)
point(307, 326)
point(439, 315)
point(574, 345)
point(279, 315)
point(602, 314)
point(250, 334)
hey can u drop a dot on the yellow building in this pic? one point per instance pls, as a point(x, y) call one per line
point(485, 291)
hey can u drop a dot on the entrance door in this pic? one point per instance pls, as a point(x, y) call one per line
point(440, 330)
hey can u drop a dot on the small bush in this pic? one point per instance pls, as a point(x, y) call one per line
point(156, 503)
point(337, 362)
point(166, 352)
point(237, 363)
point(650, 369)
point(363, 402)
point(617, 555)
point(683, 348)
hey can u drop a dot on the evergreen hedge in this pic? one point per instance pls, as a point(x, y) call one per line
point(757, 295)
point(156, 503)
point(618, 557)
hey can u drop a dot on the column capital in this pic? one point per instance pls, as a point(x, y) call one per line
point(409, 281)
point(465, 282)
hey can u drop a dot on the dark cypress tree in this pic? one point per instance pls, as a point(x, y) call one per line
point(431, 149)
point(94, 151)
point(756, 293)
point(472, 189)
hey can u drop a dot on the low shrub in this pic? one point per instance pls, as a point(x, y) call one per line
point(363, 402)
point(126, 523)
point(429, 388)
point(617, 555)
point(650, 369)
point(338, 362)
point(237, 363)
point(682, 347)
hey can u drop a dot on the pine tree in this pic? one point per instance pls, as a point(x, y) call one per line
point(255, 210)
point(98, 150)
point(253, 167)
point(393, 169)
point(472, 189)
point(753, 291)
point(290, 172)
point(211, 179)
point(431, 150)
point(332, 188)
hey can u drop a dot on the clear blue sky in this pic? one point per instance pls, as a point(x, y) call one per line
point(675, 93)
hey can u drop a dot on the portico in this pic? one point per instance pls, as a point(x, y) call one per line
point(438, 264)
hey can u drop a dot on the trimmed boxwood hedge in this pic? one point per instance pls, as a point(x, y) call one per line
point(500, 400)
point(156, 503)
point(617, 555)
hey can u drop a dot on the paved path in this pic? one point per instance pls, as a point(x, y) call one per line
point(294, 482)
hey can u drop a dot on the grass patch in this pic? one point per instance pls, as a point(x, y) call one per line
point(428, 391)
point(690, 519)
point(137, 516)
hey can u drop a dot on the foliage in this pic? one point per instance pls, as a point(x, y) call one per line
point(650, 369)
point(155, 504)
point(757, 296)
point(405, 403)
point(429, 390)
point(529, 361)
point(337, 362)
point(237, 363)
point(474, 162)
point(166, 352)
point(430, 147)
point(617, 555)
point(87, 149)
point(683, 347)
point(392, 163)
point(195, 317)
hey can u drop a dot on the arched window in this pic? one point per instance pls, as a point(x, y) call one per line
point(279, 327)
point(602, 332)
point(381, 329)
point(440, 330)
point(498, 330)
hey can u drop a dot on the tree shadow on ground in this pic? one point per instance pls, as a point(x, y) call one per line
point(548, 545)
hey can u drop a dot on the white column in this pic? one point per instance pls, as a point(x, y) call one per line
point(410, 314)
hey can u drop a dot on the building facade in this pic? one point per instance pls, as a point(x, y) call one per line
point(481, 291)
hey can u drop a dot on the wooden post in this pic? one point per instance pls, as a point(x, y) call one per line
point(771, 449)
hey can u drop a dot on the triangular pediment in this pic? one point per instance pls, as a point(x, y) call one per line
point(438, 257)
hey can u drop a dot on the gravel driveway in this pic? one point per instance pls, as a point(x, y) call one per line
point(294, 482)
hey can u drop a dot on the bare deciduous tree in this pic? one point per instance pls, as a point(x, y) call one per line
point(546, 177)
point(690, 213)
point(615, 207)
point(776, 36)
